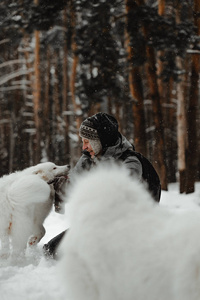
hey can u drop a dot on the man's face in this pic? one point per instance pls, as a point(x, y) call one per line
point(86, 146)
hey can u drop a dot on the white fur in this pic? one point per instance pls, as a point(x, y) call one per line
point(26, 199)
point(123, 245)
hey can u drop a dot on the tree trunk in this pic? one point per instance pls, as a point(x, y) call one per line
point(65, 104)
point(161, 7)
point(181, 129)
point(77, 106)
point(36, 95)
point(46, 108)
point(159, 148)
point(170, 121)
point(136, 90)
point(164, 89)
point(192, 150)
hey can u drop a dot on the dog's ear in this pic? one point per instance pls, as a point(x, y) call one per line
point(41, 174)
point(38, 172)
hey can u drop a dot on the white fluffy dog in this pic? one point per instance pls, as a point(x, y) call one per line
point(123, 246)
point(26, 199)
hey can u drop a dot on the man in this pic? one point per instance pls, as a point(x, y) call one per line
point(103, 142)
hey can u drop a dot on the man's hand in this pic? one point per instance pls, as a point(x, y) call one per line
point(59, 204)
point(58, 182)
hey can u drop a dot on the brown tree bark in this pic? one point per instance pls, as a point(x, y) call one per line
point(136, 87)
point(167, 106)
point(181, 128)
point(36, 95)
point(170, 121)
point(192, 112)
point(65, 104)
point(159, 147)
point(161, 7)
point(161, 84)
point(58, 129)
point(46, 107)
point(77, 106)
point(94, 108)
point(136, 90)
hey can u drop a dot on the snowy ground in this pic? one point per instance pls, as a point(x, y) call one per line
point(36, 278)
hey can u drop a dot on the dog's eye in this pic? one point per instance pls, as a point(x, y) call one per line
point(54, 168)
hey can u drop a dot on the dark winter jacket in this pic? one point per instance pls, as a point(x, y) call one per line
point(112, 153)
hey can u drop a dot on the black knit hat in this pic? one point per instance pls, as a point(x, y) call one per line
point(102, 126)
point(88, 131)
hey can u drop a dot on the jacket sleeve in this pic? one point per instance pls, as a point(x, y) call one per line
point(134, 165)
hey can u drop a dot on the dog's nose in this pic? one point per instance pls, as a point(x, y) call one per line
point(69, 167)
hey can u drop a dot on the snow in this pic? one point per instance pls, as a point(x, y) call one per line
point(36, 277)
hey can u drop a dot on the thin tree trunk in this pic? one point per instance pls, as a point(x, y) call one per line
point(161, 84)
point(109, 105)
point(171, 144)
point(181, 117)
point(46, 108)
point(65, 105)
point(159, 148)
point(28, 94)
point(192, 151)
point(136, 90)
point(77, 106)
point(181, 129)
point(94, 108)
point(117, 114)
point(12, 141)
point(161, 7)
point(36, 93)
point(165, 100)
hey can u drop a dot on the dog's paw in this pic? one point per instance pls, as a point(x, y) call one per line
point(33, 241)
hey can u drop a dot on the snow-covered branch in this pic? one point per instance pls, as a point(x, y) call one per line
point(13, 88)
point(12, 62)
point(190, 51)
point(21, 72)
point(4, 41)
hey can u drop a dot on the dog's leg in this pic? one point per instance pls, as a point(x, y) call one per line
point(5, 228)
point(5, 246)
point(21, 230)
point(37, 236)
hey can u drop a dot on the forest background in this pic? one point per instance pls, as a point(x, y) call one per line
point(62, 61)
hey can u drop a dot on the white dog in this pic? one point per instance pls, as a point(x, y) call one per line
point(123, 246)
point(26, 199)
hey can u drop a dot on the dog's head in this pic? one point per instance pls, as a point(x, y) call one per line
point(48, 170)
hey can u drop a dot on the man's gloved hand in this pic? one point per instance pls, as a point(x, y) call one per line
point(59, 204)
point(58, 183)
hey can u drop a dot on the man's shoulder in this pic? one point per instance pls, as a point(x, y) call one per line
point(127, 153)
